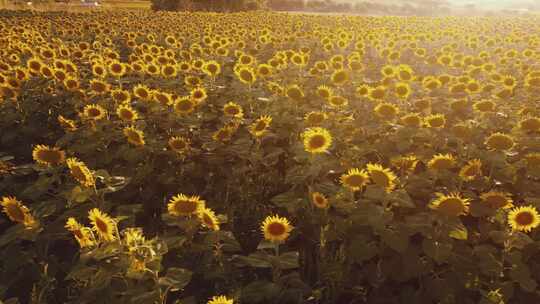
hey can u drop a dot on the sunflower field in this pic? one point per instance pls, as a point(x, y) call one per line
point(260, 157)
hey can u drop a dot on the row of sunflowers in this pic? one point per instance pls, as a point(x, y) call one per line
point(268, 158)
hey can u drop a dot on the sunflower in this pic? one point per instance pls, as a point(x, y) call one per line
point(80, 172)
point(134, 136)
point(386, 111)
point(126, 113)
point(142, 92)
point(133, 237)
point(184, 105)
point(317, 140)
point(164, 99)
point(382, 177)
point(117, 69)
point(442, 162)
point(378, 93)
point(340, 77)
point(294, 92)
point(484, 106)
point(500, 142)
point(212, 68)
point(459, 105)
point(102, 224)
point(46, 155)
point(362, 90)
point(198, 94)
point(246, 75)
point(324, 91)
point(405, 163)
point(17, 212)
point(233, 109)
point(509, 81)
point(99, 86)
point(355, 179)
point(315, 118)
point(450, 205)
point(82, 234)
point(260, 126)
point(179, 144)
point(224, 134)
point(497, 199)
point(121, 96)
point(183, 205)
point(67, 124)
point(169, 71)
point(471, 170)
point(436, 121)
point(402, 90)
point(319, 200)
point(94, 112)
point(413, 120)
point(532, 160)
point(34, 64)
point(208, 219)
point(220, 300)
point(276, 229)
point(530, 124)
point(264, 70)
point(523, 218)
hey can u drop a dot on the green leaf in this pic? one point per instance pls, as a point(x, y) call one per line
point(397, 240)
point(288, 260)
point(458, 231)
point(401, 198)
point(438, 251)
point(257, 260)
point(176, 278)
point(260, 291)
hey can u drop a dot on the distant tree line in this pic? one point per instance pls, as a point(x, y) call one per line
point(411, 7)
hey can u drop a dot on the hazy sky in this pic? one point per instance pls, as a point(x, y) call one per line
point(494, 3)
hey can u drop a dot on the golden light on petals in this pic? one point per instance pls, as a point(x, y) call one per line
point(220, 300)
point(17, 212)
point(134, 136)
point(355, 179)
point(450, 205)
point(500, 142)
point(382, 177)
point(102, 224)
point(523, 218)
point(317, 140)
point(471, 170)
point(276, 229)
point(208, 219)
point(80, 172)
point(442, 162)
point(46, 155)
point(183, 205)
point(319, 200)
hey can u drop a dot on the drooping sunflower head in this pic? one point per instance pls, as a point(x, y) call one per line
point(198, 94)
point(500, 142)
point(317, 140)
point(179, 144)
point(67, 124)
point(378, 93)
point(340, 77)
point(523, 218)
point(413, 120)
point(276, 229)
point(450, 205)
point(386, 111)
point(497, 199)
point(324, 91)
point(134, 136)
point(94, 112)
point(315, 118)
point(80, 172)
point(17, 212)
point(133, 237)
point(126, 113)
point(185, 105)
point(294, 92)
point(142, 92)
point(99, 86)
point(530, 124)
point(208, 219)
point(220, 300)
point(49, 156)
point(260, 126)
point(405, 163)
point(471, 170)
point(442, 162)
point(120, 96)
point(355, 179)
point(484, 106)
point(382, 177)
point(183, 205)
point(436, 121)
point(319, 200)
point(102, 224)
point(82, 234)
point(233, 109)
